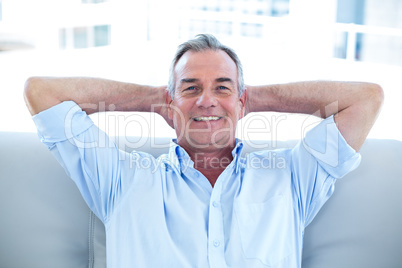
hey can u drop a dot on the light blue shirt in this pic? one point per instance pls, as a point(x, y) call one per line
point(161, 212)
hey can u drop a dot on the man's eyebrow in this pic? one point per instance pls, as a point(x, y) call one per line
point(224, 79)
point(194, 80)
point(189, 80)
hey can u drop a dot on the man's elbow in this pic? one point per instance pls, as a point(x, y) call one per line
point(37, 95)
point(31, 92)
point(375, 96)
point(378, 93)
point(31, 87)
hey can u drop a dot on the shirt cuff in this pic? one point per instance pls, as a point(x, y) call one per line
point(327, 145)
point(61, 122)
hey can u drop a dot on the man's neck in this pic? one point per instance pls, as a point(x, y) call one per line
point(212, 163)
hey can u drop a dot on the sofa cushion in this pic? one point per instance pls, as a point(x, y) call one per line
point(361, 224)
point(44, 221)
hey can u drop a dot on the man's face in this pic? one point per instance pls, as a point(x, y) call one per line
point(206, 105)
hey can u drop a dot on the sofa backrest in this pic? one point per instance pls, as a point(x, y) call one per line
point(44, 221)
point(361, 224)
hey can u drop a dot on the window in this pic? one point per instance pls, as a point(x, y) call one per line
point(365, 33)
point(379, 48)
point(223, 18)
point(340, 44)
point(274, 8)
point(1, 11)
point(280, 8)
point(92, 1)
point(251, 29)
point(81, 37)
point(101, 35)
point(63, 38)
point(84, 37)
point(194, 27)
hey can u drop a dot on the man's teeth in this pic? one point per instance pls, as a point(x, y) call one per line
point(206, 118)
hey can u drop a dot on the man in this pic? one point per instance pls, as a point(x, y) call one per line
point(202, 204)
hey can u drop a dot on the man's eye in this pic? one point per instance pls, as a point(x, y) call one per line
point(222, 87)
point(190, 88)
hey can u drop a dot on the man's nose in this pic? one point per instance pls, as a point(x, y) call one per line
point(206, 99)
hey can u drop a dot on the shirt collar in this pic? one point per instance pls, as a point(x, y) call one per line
point(236, 153)
point(178, 156)
point(180, 159)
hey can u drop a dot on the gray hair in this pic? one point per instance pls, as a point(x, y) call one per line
point(204, 42)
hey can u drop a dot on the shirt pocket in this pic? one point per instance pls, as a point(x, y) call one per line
point(265, 229)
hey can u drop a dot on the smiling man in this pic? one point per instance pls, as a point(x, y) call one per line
point(204, 204)
point(208, 105)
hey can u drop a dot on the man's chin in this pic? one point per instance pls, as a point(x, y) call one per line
point(208, 142)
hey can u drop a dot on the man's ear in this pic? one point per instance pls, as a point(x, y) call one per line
point(168, 101)
point(243, 103)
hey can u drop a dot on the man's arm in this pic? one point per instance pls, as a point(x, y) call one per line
point(89, 158)
point(42, 93)
point(355, 105)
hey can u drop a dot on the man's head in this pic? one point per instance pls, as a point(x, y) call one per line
point(204, 42)
point(205, 102)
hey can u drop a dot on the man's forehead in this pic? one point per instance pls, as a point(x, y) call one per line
point(217, 60)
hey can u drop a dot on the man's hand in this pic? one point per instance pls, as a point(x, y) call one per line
point(355, 105)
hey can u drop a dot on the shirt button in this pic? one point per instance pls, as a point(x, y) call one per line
point(216, 243)
point(215, 204)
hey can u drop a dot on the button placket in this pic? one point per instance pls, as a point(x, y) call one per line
point(215, 232)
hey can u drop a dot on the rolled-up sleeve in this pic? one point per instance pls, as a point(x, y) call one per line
point(61, 122)
point(87, 154)
point(317, 161)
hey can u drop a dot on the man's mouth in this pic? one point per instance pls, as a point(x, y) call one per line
point(206, 118)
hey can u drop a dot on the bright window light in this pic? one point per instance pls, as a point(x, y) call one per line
point(278, 41)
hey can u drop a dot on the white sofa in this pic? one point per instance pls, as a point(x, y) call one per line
point(44, 221)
